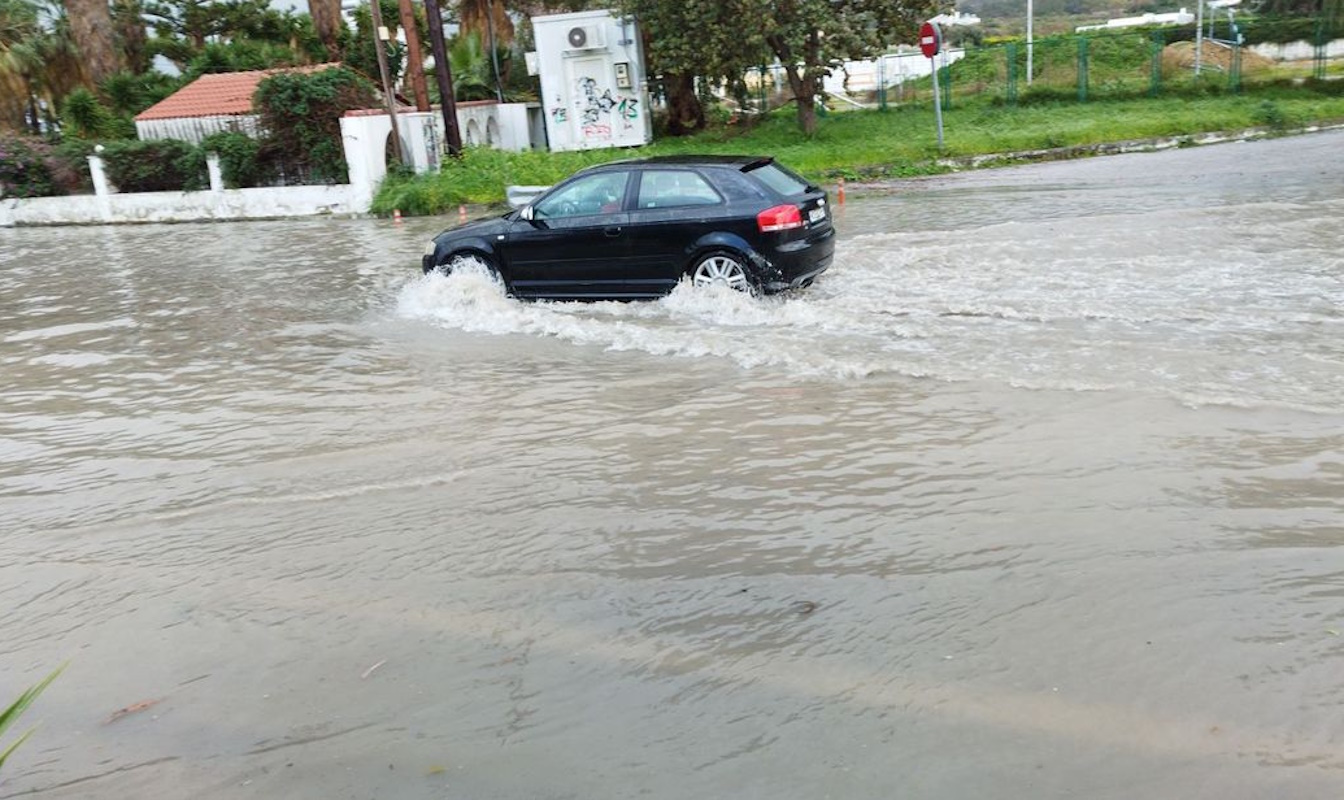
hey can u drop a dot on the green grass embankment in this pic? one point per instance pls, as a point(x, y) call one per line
point(872, 145)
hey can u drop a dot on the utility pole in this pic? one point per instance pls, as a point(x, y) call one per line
point(379, 33)
point(1199, 35)
point(444, 74)
point(1030, 15)
point(415, 67)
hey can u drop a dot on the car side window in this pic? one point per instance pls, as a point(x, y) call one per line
point(602, 193)
point(675, 188)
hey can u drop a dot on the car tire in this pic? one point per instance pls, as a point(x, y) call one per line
point(723, 268)
point(468, 260)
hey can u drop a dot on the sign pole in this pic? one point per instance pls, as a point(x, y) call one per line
point(937, 103)
point(930, 42)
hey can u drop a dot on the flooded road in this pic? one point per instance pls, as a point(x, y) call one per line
point(1039, 492)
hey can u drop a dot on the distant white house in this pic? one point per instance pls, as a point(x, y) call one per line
point(955, 18)
point(1181, 17)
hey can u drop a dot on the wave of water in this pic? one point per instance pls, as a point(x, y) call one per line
point(1180, 306)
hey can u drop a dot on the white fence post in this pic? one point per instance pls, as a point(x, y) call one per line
point(101, 187)
point(99, 175)
point(216, 174)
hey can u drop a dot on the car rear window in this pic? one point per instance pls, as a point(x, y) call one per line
point(736, 186)
point(780, 179)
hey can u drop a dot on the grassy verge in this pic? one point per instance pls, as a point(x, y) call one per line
point(868, 145)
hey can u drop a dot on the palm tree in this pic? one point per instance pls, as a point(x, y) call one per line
point(21, 36)
point(39, 63)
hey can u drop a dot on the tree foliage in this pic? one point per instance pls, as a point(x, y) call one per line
point(810, 37)
point(713, 40)
point(361, 56)
point(187, 30)
point(39, 63)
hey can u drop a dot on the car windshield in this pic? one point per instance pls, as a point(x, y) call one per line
point(780, 179)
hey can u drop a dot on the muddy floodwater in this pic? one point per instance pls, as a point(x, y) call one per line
point(1039, 492)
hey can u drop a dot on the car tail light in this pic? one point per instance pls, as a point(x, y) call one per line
point(779, 218)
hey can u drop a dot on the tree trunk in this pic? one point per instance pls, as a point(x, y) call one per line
point(805, 95)
point(415, 62)
point(91, 28)
point(327, 23)
point(685, 113)
point(129, 17)
point(473, 14)
point(803, 85)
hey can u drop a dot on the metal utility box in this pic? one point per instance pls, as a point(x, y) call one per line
point(593, 88)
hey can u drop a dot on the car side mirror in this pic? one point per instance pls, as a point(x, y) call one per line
point(526, 212)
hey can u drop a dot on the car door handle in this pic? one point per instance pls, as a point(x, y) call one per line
point(612, 232)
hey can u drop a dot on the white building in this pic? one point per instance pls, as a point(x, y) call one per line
point(593, 89)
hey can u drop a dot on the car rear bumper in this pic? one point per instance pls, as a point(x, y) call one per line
point(796, 264)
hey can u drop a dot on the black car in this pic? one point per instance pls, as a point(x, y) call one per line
point(634, 229)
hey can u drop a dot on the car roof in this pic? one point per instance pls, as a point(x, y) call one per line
point(741, 162)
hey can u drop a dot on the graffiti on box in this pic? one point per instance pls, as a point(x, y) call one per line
point(597, 112)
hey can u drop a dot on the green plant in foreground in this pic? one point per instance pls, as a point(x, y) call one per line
point(10, 715)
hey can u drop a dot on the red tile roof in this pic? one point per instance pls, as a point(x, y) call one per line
point(218, 95)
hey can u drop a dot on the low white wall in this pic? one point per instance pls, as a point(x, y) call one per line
point(230, 204)
point(1297, 51)
point(364, 135)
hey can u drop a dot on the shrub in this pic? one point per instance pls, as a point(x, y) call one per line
point(84, 116)
point(239, 159)
point(157, 165)
point(26, 167)
point(1270, 115)
point(301, 113)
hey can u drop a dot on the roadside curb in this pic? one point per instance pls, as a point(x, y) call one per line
point(1072, 152)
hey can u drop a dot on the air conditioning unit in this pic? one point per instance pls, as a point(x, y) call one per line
point(586, 37)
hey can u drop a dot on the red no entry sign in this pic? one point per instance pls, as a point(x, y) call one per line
point(930, 39)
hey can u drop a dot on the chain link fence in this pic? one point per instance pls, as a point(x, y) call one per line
point(1220, 57)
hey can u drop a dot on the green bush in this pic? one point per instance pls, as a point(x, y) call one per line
point(159, 165)
point(84, 116)
point(1276, 30)
point(26, 167)
point(301, 114)
point(239, 159)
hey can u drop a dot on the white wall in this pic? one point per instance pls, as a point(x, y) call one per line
point(1298, 51)
point(364, 137)
point(595, 95)
point(504, 126)
point(230, 204)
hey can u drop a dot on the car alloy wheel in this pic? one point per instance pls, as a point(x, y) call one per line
point(721, 269)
